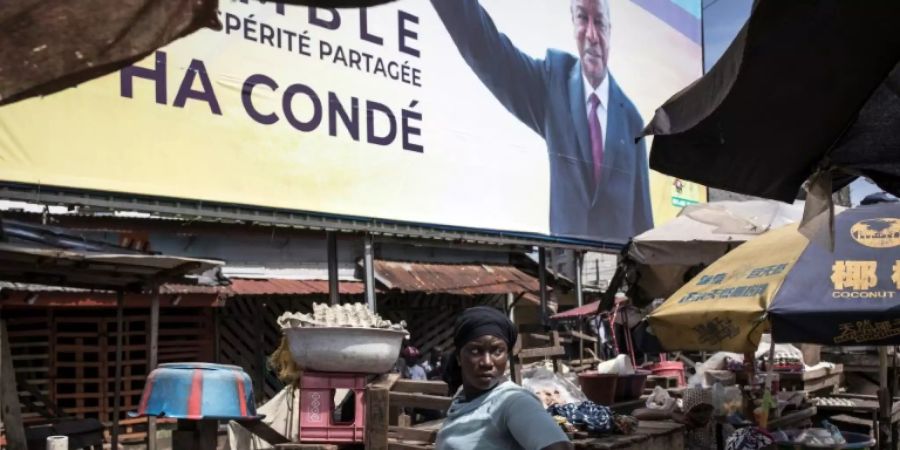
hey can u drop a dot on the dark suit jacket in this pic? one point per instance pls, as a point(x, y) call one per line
point(548, 96)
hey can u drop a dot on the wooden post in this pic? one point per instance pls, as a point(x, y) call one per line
point(377, 411)
point(153, 360)
point(885, 402)
point(195, 435)
point(10, 411)
point(117, 399)
point(542, 282)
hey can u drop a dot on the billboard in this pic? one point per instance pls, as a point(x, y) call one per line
point(463, 113)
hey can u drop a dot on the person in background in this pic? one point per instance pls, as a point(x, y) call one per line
point(414, 369)
point(433, 366)
point(487, 412)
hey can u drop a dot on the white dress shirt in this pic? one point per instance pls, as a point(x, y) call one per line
point(602, 92)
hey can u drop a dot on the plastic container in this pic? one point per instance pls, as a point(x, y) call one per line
point(198, 391)
point(317, 422)
point(342, 350)
point(669, 369)
point(599, 388)
point(631, 387)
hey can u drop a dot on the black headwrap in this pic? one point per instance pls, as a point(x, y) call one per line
point(483, 321)
point(472, 324)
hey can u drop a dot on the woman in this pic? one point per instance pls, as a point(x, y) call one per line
point(488, 413)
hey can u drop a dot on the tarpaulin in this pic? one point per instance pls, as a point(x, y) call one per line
point(50, 45)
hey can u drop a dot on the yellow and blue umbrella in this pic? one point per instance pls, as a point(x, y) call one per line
point(851, 296)
point(803, 291)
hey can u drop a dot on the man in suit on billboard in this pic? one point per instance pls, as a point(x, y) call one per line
point(599, 181)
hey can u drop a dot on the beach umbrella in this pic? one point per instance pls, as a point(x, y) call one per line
point(802, 291)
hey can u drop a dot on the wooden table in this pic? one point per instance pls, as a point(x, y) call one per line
point(648, 436)
point(628, 406)
point(792, 419)
point(820, 379)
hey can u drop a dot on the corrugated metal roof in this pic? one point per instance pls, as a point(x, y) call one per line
point(28, 287)
point(269, 286)
point(238, 287)
point(180, 289)
point(464, 279)
point(37, 254)
point(290, 287)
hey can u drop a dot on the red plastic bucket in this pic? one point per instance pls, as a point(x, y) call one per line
point(631, 387)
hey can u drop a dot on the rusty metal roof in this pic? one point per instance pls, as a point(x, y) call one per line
point(238, 287)
point(290, 287)
point(462, 279)
point(268, 286)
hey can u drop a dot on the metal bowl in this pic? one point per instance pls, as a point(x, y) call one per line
point(354, 350)
point(198, 391)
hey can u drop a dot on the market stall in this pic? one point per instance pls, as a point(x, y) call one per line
point(780, 281)
point(47, 255)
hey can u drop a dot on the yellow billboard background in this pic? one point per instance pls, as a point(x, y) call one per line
point(480, 167)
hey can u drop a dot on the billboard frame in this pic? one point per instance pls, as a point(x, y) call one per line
point(213, 211)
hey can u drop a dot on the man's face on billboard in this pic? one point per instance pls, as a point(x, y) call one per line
point(592, 28)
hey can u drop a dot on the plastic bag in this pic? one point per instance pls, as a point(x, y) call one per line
point(550, 387)
point(620, 365)
point(717, 361)
point(660, 400)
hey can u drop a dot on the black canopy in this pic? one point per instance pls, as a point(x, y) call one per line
point(805, 85)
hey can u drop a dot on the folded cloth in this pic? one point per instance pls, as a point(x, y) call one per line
point(749, 438)
point(593, 418)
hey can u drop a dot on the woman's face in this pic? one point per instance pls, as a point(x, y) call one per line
point(483, 361)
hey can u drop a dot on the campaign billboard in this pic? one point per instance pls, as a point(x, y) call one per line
point(498, 115)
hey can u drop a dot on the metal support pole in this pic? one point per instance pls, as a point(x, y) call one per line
point(542, 280)
point(579, 283)
point(885, 401)
point(369, 266)
point(117, 400)
point(578, 255)
point(333, 288)
point(153, 360)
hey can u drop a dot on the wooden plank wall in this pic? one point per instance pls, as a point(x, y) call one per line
point(430, 318)
point(248, 334)
point(68, 354)
point(29, 342)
